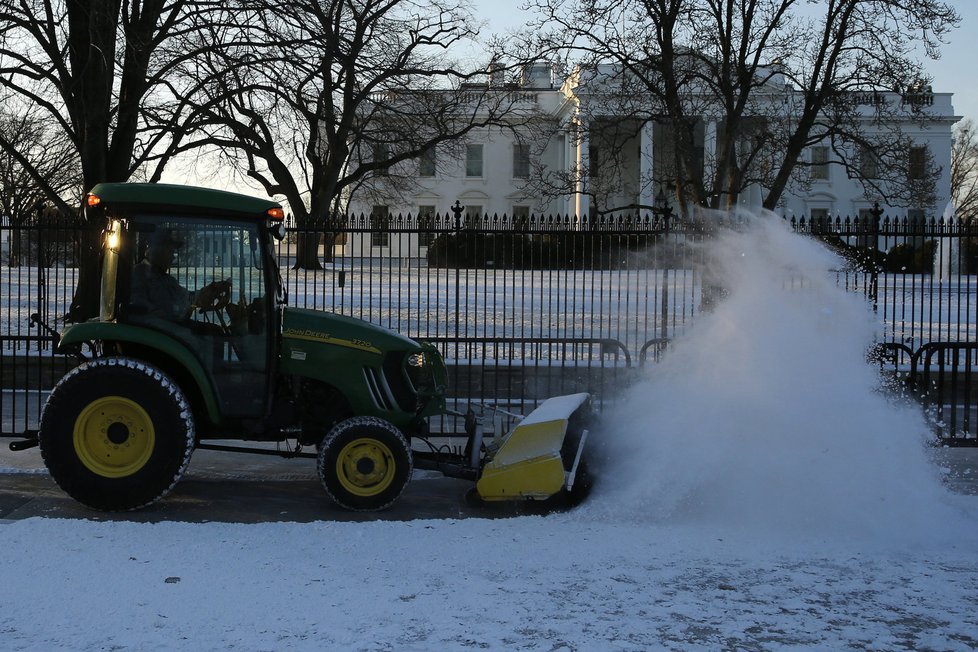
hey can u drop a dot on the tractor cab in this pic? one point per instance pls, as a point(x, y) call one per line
point(192, 269)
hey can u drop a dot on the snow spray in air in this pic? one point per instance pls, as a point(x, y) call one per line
point(766, 414)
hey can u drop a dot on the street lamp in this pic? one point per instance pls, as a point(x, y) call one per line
point(661, 207)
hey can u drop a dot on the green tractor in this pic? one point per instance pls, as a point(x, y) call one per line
point(195, 343)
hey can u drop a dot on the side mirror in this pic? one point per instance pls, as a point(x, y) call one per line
point(278, 231)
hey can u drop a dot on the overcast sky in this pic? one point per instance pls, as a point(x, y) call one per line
point(954, 72)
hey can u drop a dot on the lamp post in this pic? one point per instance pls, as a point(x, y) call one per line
point(663, 210)
point(457, 210)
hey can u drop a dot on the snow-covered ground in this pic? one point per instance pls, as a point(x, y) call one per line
point(565, 582)
point(737, 508)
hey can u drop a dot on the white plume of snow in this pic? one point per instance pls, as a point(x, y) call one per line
point(766, 415)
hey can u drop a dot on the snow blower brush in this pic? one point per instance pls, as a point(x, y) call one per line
point(540, 459)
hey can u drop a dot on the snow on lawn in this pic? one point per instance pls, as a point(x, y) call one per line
point(756, 491)
point(558, 582)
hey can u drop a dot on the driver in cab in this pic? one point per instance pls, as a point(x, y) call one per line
point(154, 293)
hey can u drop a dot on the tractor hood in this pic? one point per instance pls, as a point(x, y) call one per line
point(320, 327)
point(379, 372)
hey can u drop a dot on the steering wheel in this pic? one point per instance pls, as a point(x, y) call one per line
point(214, 296)
point(247, 318)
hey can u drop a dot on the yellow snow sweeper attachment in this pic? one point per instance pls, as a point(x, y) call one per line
point(541, 457)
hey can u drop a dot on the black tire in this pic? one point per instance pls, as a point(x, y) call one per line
point(116, 434)
point(364, 463)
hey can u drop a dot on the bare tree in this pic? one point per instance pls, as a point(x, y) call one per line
point(964, 170)
point(99, 70)
point(334, 95)
point(22, 198)
point(770, 78)
point(856, 50)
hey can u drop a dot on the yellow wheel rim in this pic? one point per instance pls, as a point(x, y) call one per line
point(365, 467)
point(114, 437)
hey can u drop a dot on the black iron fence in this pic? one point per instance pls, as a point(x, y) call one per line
point(530, 307)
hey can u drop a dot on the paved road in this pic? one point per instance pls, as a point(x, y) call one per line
point(220, 486)
point(242, 488)
point(960, 469)
point(233, 487)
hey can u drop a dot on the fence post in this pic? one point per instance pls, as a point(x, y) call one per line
point(42, 263)
point(876, 212)
point(457, 209)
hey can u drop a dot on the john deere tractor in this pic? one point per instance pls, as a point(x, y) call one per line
point(195, 343)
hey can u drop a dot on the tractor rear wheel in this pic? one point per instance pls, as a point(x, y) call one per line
point(116, 434)
point(364, 463)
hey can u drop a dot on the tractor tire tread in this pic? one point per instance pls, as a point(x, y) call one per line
point(53, 415)
point(340, 430)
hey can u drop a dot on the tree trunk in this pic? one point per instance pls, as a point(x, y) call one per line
point(92, 46)
point(307, 250)
point(85, 301)
point(329, 241)
point(793, 151)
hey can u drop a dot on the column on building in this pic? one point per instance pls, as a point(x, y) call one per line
point(646, 170)
point(582, 204)
point(567, 201)
point(709, 151)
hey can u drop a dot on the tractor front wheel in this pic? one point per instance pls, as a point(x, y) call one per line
point(116, 434)
point(364, 463)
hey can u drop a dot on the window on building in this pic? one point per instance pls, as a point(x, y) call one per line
point(426, 225)
point(820, 163)
point(380, 220)
point(473, 216)
point(593, 158)
point(426, 163)
point(917, 168)
point(381, 152)
point(521, 217)
point(869, 163)
point(521, 161)
point(473, 160)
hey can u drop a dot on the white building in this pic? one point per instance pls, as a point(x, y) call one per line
point(497, 172)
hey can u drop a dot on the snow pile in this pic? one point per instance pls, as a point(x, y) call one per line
point(767, 416)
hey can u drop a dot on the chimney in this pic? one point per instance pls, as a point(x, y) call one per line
point(538, 75)
point(497, 75)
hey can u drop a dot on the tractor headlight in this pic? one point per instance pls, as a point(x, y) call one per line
point(416, 360)
point(112, 238)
